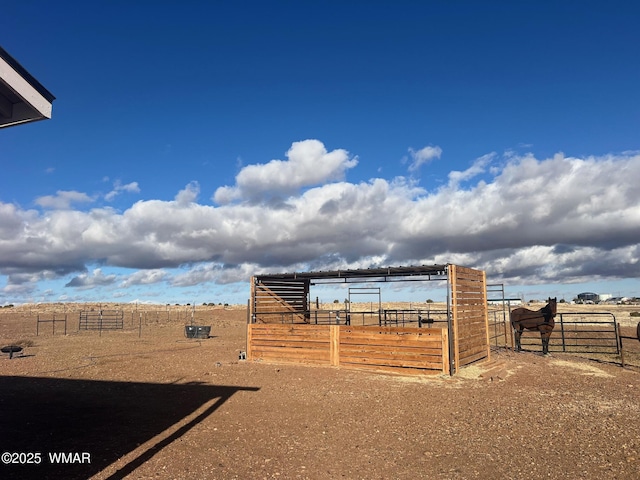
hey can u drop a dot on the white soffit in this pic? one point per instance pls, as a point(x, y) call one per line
point(22, 98)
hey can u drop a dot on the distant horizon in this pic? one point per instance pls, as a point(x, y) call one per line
point(326, 301)
point(408, 292)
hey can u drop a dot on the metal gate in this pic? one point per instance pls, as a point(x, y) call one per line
point(498, 308)
point(101, 320)
point(584, 332)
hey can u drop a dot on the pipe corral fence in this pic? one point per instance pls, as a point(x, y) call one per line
point(86, 318)
point(283, 325)
point(596, 333)
point(53, 321)
point(583, 332)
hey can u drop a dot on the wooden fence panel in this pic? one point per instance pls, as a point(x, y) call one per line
point(470, 315)
point(289, 343)
point(407, 351)
point(274, 300)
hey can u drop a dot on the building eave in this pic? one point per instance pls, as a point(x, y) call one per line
point(22, 98)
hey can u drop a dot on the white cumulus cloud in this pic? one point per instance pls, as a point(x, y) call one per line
point(527, 219)
point(119, 188)
point(308, 163)
point(63, 199)
point(423, 156)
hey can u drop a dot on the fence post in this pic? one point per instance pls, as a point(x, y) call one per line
point(622, 355)
point(250, 341)
point(511, 339)
point(620, 344)
point(334, 341)
point(505, 324)
point(446, 369)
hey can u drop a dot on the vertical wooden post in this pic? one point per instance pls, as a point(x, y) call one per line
point(486, 313)
point(445, 351)
point(252, 301)
point(334, 345)
point(454, 318)
point(249, 341)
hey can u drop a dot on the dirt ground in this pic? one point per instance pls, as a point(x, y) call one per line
point(145, 402)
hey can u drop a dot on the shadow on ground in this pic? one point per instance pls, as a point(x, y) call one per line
point(106, 420)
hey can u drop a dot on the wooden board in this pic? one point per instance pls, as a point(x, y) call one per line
point(392, 349)
point(278, 301)
point(470, 315)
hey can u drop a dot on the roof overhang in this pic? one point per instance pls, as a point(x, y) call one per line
point(22, 98)
point(385, 274)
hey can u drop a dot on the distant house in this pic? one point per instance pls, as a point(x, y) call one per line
point(22, 98)
point(622, 300)
point(588, 297)
point(615, 300)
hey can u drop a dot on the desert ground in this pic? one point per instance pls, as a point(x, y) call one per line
point(145, 402)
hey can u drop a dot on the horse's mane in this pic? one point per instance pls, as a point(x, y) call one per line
point(547, 310)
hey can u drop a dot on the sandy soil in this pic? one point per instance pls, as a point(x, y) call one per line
point(146, 402)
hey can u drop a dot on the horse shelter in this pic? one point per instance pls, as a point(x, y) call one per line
point(285, 326)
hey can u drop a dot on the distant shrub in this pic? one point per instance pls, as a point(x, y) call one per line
point(634, 314)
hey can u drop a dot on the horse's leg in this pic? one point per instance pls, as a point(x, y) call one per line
point(545, 342)
point(518, 334)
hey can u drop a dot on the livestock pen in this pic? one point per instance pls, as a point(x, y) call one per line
point(285, 326)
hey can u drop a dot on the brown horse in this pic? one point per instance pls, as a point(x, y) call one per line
point(541, 320)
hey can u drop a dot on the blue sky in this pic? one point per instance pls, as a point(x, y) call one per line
point(193, 144)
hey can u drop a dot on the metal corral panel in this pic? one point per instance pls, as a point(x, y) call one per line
point(275, 299)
